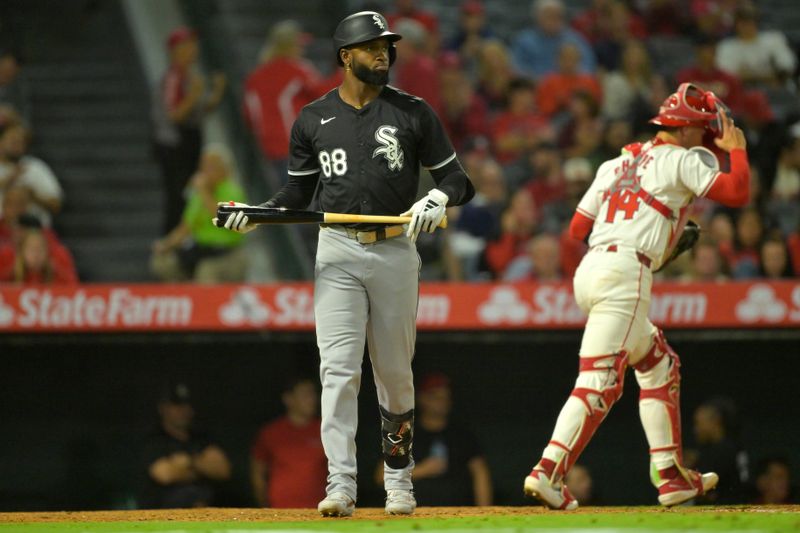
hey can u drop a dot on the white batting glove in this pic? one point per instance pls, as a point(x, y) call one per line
point(426, 214)
point(238, 221)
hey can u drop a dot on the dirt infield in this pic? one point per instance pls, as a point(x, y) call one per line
point(303, 515)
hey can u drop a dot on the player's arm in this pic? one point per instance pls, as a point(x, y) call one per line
point(481, 480)
point(304, 170)
point(453, 187)
point(175, 468)
point(732, 188)
point(298, 191)
point(212, 463)
point(259, 474)
point(585, 214)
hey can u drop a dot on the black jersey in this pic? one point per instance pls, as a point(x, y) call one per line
point(366, 161)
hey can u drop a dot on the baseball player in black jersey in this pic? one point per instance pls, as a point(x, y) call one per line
point(363, 144)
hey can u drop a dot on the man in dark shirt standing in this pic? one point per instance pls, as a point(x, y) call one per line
point(363, 143)
point(182, 464)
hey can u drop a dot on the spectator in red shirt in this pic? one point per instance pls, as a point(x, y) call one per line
point(32, 261)
point(521, 128)
point(178, 112)
point(463, 112)
point(16, 220)
point(288, 467)
point(714, 18)
point(594, 22)
point(408, 10)
point(518, 223)
point(540, 263)
point(547, 180)
point(277, 89)
point(415, 71)
point(556, 89)
point(705, 73)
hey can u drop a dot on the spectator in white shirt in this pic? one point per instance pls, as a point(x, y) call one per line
point(756, 57)
point(20, 169)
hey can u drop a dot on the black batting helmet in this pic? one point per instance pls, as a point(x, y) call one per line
point(362, 27)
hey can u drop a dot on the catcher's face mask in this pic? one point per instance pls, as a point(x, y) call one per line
point(692, 106)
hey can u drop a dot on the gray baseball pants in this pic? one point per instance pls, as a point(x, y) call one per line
point(363, 292)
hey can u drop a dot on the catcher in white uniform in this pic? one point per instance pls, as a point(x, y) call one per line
point(634, 214)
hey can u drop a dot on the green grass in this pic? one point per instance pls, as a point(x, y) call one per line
point(627, 522)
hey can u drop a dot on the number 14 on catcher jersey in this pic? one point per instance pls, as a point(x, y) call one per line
point(638, 198)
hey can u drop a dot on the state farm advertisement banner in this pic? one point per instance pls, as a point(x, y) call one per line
point(444, 306)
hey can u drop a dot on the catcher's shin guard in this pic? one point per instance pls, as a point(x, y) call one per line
point(397, 432)
point(597, 389)
point(658, 375)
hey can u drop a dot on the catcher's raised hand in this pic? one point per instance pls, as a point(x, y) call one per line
point(426, 214)
point(732, 137)
point(238, 221)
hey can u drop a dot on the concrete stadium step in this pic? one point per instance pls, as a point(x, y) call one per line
point(122, 111)
point(102, 259)
point(65, 90)
point(95, 130)
point(76, 70)
point(112, 175)
point(94, 200)
point(106, 223)
point(80, 153)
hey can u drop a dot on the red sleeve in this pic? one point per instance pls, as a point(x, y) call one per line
point(173, 89)
point(732, 188)
point(7, 263)
point(580, 226)
point(64, 271)
point(572, 251)
point(499, 253)
point(262, 448)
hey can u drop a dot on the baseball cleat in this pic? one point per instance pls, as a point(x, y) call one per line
point(680, 489)
point(336, 504)
point(555, 497)
point(400, 502)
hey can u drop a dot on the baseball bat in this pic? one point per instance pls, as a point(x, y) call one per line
point(283, 215)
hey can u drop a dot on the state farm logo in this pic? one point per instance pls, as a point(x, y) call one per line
point(290, 307)
point(504, 305)
point(761, 304)
point(120, 307)
point(244, 307)
point(550, 304)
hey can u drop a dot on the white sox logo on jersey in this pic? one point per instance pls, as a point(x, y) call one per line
point(390, 147)
point(378, 22)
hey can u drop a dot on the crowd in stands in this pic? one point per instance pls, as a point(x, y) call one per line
point(532, 115)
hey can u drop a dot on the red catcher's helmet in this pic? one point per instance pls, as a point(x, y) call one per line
point(692, 106)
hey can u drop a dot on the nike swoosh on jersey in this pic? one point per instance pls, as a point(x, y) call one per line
point(325, 120)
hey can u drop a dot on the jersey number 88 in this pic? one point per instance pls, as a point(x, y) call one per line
point(334, 162)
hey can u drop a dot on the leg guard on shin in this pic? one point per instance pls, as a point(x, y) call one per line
point(597, 389)
point(658, 375)
point(397, 432)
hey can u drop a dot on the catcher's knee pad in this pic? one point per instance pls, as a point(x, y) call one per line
point(600, 382)
point(598, 387)
point(659, 377)
point(397, 432)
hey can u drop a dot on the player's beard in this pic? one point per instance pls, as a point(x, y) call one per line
point(369, 76)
